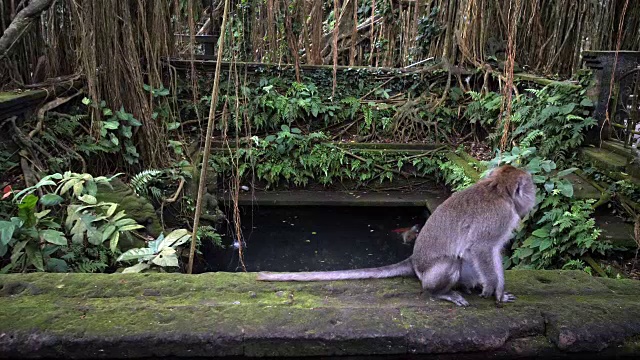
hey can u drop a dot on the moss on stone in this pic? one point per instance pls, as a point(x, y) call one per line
point(136, 207)
point(232, 313)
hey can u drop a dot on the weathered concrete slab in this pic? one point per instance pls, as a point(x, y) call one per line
point(429, 198)
point(224, 314)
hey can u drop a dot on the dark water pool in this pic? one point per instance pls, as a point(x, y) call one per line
point(317, 238)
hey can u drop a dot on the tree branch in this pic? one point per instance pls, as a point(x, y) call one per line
point(21, 22)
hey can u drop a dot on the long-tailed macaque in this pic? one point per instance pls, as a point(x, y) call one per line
point(461, 242)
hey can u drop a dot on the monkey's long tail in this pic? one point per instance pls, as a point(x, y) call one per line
point(403, 268)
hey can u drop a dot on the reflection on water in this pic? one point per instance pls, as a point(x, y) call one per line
point(317, 238)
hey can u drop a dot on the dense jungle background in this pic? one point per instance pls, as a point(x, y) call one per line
point(110, 108)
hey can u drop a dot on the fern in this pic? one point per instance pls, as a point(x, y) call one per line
point(90, 266)
point(141, 182)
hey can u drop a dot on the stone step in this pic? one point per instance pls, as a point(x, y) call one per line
point(618, 148)
point(616, 231)
point(566, 314)
point(430, 198)
point(604, 159)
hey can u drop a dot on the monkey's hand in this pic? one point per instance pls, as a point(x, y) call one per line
point(487, 291)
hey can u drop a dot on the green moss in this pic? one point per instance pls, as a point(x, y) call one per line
point(236, 307)
point(136, 207)
point(469, 170)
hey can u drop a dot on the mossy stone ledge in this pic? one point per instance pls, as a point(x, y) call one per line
point(114, 316)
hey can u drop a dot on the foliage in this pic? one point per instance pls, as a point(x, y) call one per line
point(291, 158)
point(454, 176)
point(49, 228)
point(558, 115)
point(116, 133)
point(577, 264)
point(141, 183)
point(81, 259)
point(271, 109)
point(208, 232)
point(560, 228)
point(160, 252)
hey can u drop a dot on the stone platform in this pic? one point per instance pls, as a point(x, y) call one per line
point(558, 313)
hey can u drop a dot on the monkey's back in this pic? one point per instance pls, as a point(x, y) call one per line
point(475, 216)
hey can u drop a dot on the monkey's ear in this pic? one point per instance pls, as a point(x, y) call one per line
point(520, 185)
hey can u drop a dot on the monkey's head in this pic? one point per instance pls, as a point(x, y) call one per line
point(519, 186)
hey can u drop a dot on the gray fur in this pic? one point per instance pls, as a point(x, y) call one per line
point(461, 242)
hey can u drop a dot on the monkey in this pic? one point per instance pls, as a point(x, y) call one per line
point(460, 244)
point(468, 280)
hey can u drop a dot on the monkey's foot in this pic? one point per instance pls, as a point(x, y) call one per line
point(508, 297)
point(453, 297)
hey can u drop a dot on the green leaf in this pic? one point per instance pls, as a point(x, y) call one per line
point(167, 257)
point(111, 125)
point(57, 265)
point(54, 237)
point(173, 125)
point(107, 112)
point(108, 231)
point(91, 187)
point(567, 109)
point(126, 131)
point(541, 233)
point(26, 210)
point(113, 242)
point(79, 224)
point(78, 187)
point(549, 186)
point(525, 252)
point(7, 229)
point(86, 101)
point(134, 254)
point(88, 199)
point(175, 238)
point(566, 188)
point(34, 256)
point(566, 172)
point(124, 222)
point(545, 244)
point(121, 114)
point(586, 102)
point(163, 92)
point(114, 140)
point(296, 131)
point(16, 252)
point(131, 227)
point(68, 185)
point(136, 268)
point(133, 121)
point(112, 210)
point(285, 128)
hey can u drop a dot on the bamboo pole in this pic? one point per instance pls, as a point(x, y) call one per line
point(207, 140)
